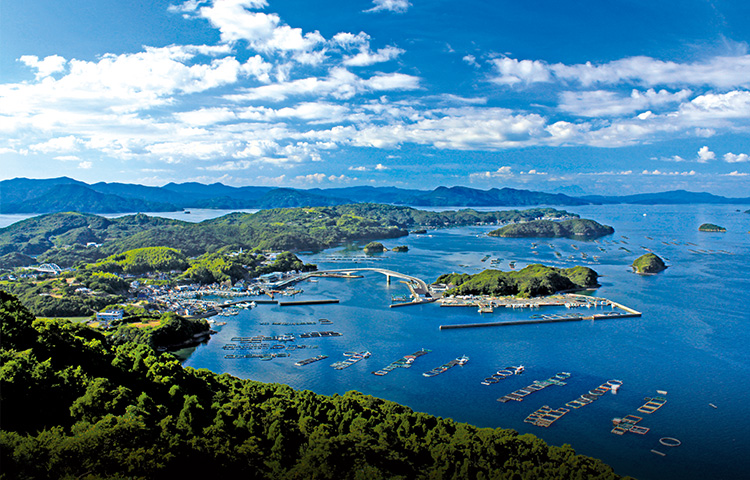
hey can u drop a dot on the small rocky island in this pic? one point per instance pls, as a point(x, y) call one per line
point(648, 264)
point(400, 248)
point(573, 228)
point(375, 247)
point(710, 227)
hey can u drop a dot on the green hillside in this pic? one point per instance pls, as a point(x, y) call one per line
point(75, 406)
point(574, 228)
point(531, 281)
point(61, 236)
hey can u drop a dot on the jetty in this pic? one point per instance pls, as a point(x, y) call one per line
point(446, 366)
point(537, 385)
point(404, 362)
point(293, 303)
point(353, 357)
point(569, 300)
point(308, 361)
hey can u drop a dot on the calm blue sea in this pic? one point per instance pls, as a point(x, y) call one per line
point(692, 340)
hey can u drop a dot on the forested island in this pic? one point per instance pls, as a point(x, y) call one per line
point(75, 405)
point(710, 227)
point(648, 264)
point(531, 281)
point(400, 248)
point(62, 238)
point(571, 228)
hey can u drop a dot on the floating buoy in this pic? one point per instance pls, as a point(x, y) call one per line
point(670, 442)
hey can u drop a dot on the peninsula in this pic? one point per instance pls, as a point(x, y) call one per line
point(572, 228)
point(648, 264)
point(128, 411)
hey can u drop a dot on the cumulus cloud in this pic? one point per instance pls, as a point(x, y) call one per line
point(737, 174)
point(512, 71)
point(263, 32)
point(502, 172)
point(736, 158)
point(85, 165)
point(705, 155)
point(380, 167)
point(719, 72)
point(46, 67)
point(340, 84)
point(365, 57)
point(395, 6)
point(129, 82)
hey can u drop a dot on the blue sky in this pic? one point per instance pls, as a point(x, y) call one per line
point(615, 97)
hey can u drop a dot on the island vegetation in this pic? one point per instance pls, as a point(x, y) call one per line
point(531, 281)
point(648, 264)
point(400, 248)
point(572, 228)
point(710, 227)
point(70, 238)
point(76, 405)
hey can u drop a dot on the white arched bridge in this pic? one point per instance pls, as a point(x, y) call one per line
point(420, 286)
point(417, 285)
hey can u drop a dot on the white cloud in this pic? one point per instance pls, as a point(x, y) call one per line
point(395, 6)
point(59, 144)
point(471, 60)
point(719, 72)
point(365, 57)
point(722, 106)
point(44, 68)
point(737, 174)
point(380, 167)
point(311, 178)
point(340, 84)
point(600, 103)
point(68, 158)
point(513, 71)
point(128, 82)
point(360, 168)
point(502, 172)
point(85, 165)
point(705, 155)
point(659, 172)
point(736, 158)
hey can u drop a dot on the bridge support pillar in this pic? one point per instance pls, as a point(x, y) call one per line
point(388, 279)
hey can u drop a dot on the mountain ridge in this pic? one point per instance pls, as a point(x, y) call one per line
point(23, 195)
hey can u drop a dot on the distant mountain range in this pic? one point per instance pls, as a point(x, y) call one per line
point(22, 195)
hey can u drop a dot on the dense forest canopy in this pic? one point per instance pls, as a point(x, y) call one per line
point(60, 237)
point(649, 263)
point(531, 281)
point(572, 228)
point(77, 406)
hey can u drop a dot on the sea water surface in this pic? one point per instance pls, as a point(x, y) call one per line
point(692, 340)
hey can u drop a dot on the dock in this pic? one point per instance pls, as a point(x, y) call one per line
point(292, 303)
point(543, 319)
